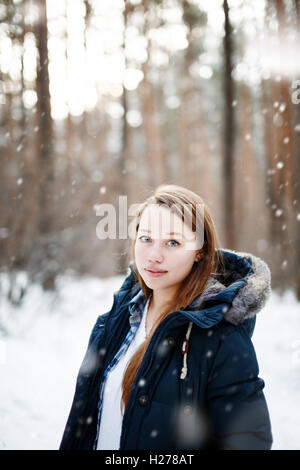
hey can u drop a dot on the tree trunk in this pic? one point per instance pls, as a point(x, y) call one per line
point(295, 110)
point(124, 186)
point(284, 152)
point(153, 139)
point(247, 184)
point(228, 151)
point(44, 134)
point(44, 138)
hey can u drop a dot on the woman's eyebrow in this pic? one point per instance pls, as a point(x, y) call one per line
point(171, 233)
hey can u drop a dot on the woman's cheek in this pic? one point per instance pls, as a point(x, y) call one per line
point(140, 255)
point(138, 249)
point(183, 262)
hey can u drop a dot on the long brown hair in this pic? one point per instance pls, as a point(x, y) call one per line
point(192, 209)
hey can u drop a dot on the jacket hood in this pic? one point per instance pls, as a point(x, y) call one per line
point(237, 292)
point(244, 285)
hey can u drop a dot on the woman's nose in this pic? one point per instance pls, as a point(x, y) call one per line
point(155, 253)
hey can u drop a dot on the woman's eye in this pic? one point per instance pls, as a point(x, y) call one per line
point(145, 239)
point(144, 236)
point(173, 241)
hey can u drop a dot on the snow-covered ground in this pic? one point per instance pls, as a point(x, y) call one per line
point(48, 335)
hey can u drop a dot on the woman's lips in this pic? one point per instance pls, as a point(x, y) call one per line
point(155, 274)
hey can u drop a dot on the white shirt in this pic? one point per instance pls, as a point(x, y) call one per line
point(111, 416)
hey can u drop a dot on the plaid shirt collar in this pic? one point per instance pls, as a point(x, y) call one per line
point(136, 307)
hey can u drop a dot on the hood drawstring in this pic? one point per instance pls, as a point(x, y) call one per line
point(184, 350)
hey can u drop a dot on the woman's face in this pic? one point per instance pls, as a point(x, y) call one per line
point(165, 248)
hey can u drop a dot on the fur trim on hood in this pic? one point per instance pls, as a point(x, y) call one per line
point(251, 297)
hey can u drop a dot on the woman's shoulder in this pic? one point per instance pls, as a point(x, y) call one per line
point(234, 341)
point(226, 331)
point(224, 338)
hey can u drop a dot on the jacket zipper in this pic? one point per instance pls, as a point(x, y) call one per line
point(160, 329)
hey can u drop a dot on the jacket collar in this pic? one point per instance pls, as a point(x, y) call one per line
point(136, 307)
point(244, 287)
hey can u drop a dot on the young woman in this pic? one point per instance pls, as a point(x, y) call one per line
point(171, 365)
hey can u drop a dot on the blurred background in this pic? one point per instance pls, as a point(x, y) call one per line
point(102, 99)
point(106, 98)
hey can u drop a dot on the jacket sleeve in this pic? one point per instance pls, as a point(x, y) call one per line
point(236, 402)
point(85, 373)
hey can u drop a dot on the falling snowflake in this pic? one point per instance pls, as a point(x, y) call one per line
point(102, 190)
point(142, 382)
point(228, 407)
point(286, 140)
point(282, 107)
point(278, 213)
point(19, 181)
point(280, 165)
point(4, 232)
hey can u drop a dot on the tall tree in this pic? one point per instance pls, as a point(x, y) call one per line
point(278, 140)
point(154, 152)
point(124, 186)
point(194, 145)
point(228, 150)
point(6, 150)
point(286, 147)
point(44, 137)
point(296, 168)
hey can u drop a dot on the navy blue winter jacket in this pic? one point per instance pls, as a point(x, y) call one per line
point(219, 404)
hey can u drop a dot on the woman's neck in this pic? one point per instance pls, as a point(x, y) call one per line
point(158, 302)
point(161, 298)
